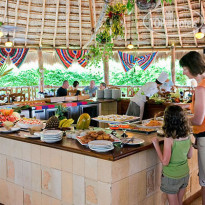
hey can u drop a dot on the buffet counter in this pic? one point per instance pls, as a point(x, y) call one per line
point(34, 172)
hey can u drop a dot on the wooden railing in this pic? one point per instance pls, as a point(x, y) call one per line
point(32, 92)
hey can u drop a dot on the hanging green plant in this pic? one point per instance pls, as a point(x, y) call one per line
point(114, 20)
point(99, 53)
point(103, 37)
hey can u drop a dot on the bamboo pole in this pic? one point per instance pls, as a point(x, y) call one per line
point(145, 49)
point(106, 70)
point(41, 70)
point(173, 64)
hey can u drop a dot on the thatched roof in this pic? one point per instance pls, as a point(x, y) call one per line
point(69, 23)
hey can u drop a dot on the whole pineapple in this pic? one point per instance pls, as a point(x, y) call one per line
point(53, 122)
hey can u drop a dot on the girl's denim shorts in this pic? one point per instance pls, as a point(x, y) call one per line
point(172, 186)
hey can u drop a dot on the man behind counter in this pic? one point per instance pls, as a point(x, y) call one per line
point(62, 91)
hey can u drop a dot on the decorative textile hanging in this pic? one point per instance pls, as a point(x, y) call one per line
point(128, 61)
point(145, 61)
point(80, 57)
point(67, 57)
point(17, 55)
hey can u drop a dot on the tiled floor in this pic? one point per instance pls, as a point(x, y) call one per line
point(197, 202)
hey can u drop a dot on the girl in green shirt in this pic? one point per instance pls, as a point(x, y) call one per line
point(177, 149)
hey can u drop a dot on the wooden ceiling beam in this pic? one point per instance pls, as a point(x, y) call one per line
point(80, 22)
point(67, 22)
point(203, 9)
point(42, 24)
point(56, 23)
point(192, 21)
point(91, 15)
point(125, 25)
point(16, 18)
point(136, 24)
point(177, 16)
point(5, 12)
point(27, 24)
point(151, 30)
point(95, 18)
point(165, 25)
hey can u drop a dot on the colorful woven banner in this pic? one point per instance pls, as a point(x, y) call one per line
point(4, 52)
point(80, 57)
point(145, 61)
point(128, 61)
point(67, 57)
point(17, 55)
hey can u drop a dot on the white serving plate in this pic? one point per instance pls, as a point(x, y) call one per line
point(51, 141)
point(51, 132)
point(13, 129)
point(136, 141)
point(100, 143)
point(102, 150)
point(32, 136)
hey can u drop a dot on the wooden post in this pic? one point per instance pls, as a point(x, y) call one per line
point(106, 70)
point(173, 64)
point(41, 70)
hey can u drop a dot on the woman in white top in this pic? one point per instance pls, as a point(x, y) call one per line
point(136, 106)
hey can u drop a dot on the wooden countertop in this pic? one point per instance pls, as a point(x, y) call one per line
point(72, 145)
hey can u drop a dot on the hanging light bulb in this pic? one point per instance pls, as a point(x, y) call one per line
point(8, 44)
point(1, 34)
point(130, 45)
point(199, 34)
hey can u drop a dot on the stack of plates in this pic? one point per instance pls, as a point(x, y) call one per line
point(101, 145)
point(51, 136)
point(108, 93)
point(100, 94)
point(116, 93)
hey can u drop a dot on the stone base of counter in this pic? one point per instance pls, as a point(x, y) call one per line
point(34, 174)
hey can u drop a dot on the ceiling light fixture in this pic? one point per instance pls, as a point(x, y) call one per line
point(8, 44)
point(130, 45)
point(199, 34)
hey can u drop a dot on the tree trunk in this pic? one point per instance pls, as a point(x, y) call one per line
point(41, 70)
point(173, 65)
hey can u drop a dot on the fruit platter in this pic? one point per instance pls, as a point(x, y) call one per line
point(8, 119)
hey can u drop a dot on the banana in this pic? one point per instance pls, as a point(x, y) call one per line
point(67, 123)
point(61, 122)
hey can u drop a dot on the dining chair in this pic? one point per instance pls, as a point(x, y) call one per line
point(16, 97)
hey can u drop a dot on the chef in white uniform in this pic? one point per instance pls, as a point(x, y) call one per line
point(136, 106)
point(167, 86)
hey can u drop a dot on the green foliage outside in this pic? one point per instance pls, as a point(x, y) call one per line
point(56, 76)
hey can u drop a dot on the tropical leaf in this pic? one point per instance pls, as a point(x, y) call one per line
point(3, 71)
